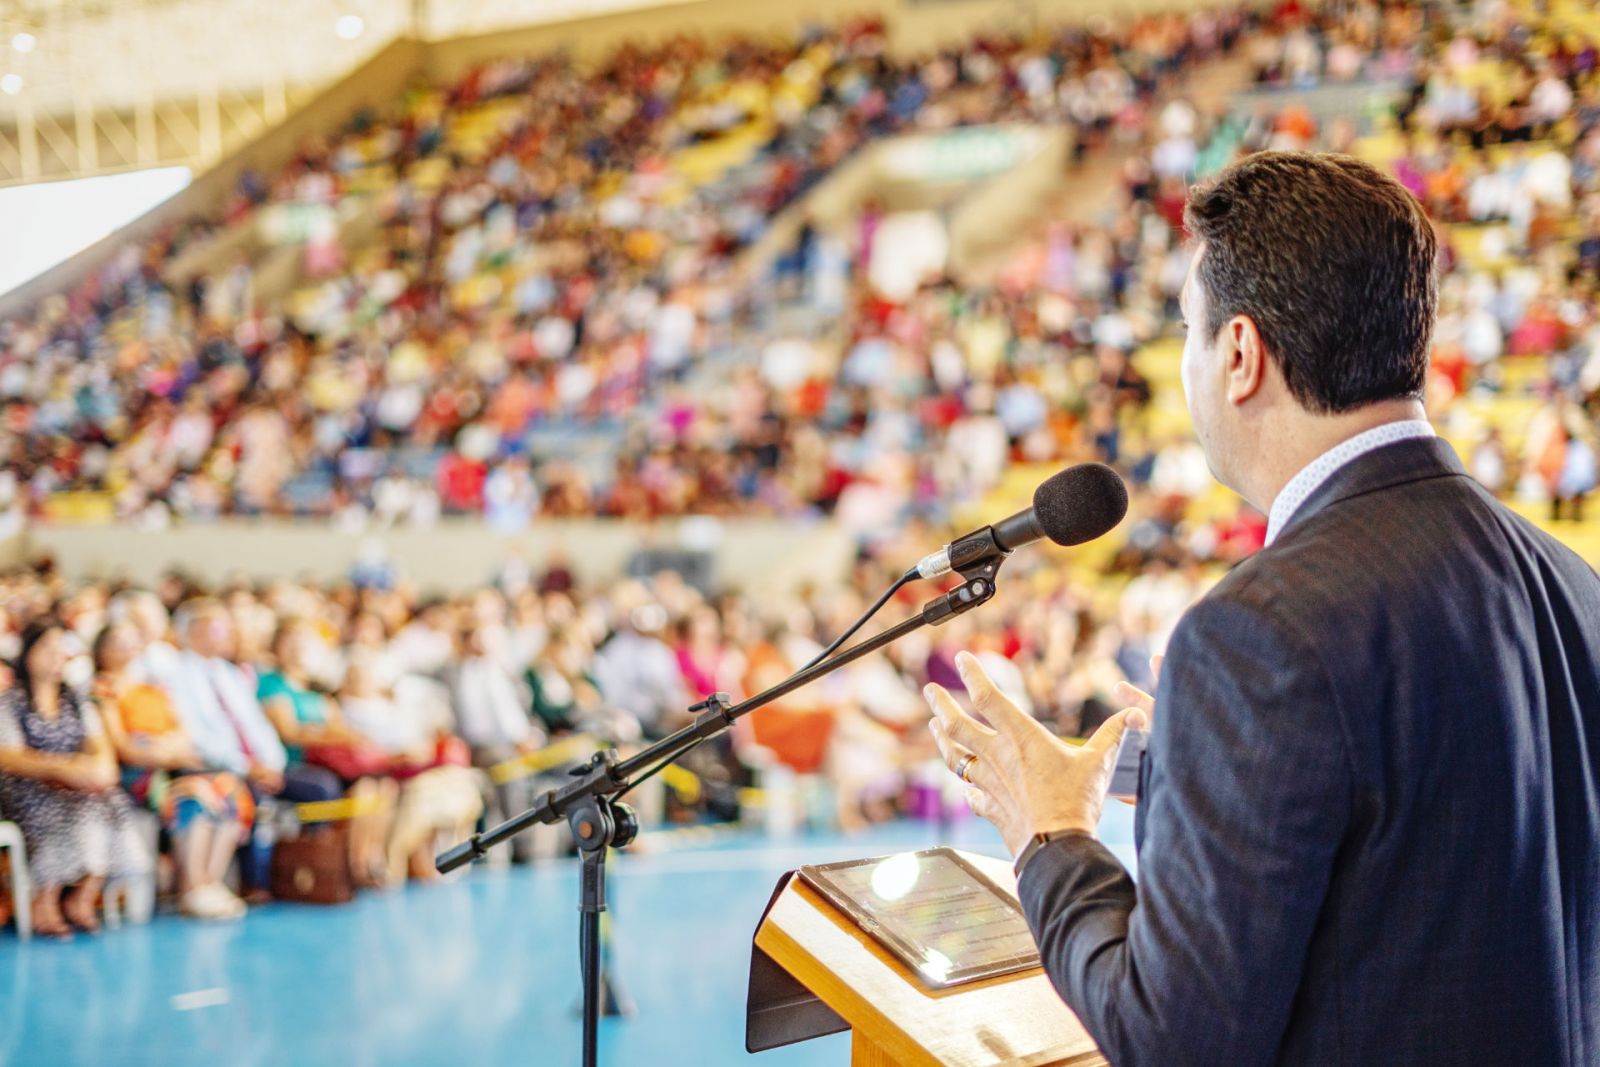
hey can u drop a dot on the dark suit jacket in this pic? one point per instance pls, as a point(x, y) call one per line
point(1369, 830)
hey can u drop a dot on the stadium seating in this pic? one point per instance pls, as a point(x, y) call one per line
point(531, 294)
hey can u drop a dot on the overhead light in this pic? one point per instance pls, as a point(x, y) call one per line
point(24, 42)
point(11, 84)
point(349, 27)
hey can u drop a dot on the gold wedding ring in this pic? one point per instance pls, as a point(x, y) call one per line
point(965, 766)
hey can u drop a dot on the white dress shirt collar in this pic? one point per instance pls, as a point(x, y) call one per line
point(1319, 470)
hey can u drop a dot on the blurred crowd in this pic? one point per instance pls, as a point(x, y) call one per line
point(508, 284)
point(1496, 130)
point(151, 735)
point(561, 275)
point(1061, 358)
point(521, 297)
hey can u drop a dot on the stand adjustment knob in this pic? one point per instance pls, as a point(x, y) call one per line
point(627, 826)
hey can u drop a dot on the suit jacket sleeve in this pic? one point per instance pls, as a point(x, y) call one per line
point(1248, 797)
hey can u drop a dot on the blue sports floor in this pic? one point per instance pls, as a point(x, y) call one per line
point(479, 971)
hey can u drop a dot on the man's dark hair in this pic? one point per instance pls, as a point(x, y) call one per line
point(1335, 263)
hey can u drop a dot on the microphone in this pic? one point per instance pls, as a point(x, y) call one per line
point(1069, 507)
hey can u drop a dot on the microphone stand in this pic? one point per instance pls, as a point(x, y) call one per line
point(591, 805)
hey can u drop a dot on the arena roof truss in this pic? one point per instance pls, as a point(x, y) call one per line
point(101, 86)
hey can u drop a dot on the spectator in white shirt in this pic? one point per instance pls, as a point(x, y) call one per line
point(637, 672)
point(1551, 99)
point(490, 702)
point(425, 643)
point(492, 709)
point(438, 800)
point(216, 699)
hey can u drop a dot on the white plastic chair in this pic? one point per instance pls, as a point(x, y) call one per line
point(21, 884)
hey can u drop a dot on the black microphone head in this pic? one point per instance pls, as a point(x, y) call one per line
point(1080, 503)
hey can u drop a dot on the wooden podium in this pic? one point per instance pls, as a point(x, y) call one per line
point(813, 972)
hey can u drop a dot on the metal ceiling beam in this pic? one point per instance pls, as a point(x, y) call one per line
point(116, 85)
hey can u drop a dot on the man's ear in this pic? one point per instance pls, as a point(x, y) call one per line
point(1244, 358)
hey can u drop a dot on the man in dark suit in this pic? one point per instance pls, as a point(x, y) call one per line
point(1369, 814)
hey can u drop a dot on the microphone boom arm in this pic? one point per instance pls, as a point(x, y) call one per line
point(604, 775)
point(599, 821)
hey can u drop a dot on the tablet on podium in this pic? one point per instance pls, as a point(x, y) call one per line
point(918, 954)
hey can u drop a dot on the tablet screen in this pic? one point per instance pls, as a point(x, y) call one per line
point(940, 915)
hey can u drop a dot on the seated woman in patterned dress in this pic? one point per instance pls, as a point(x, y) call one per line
point(207, 813)
point(58, 781)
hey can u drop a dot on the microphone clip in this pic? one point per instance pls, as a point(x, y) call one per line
point(962, 554)
point(979, 588)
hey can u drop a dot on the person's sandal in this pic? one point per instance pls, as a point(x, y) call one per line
point(203, 902)
point(226, 898)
